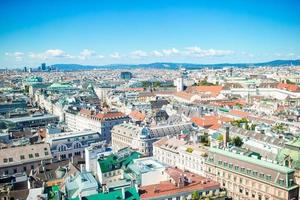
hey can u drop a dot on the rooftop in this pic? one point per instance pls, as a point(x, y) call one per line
point(168, 188)
point(115, 161)
point(130, 194)
point(252, 160)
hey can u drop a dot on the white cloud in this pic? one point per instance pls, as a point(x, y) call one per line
point(198, 52)
point(156, 53)
point(50, 54)
point(57, 53)
point(115, 55)
point(100, 56)
point(291, 55)
point(17, 55)
point(86, 53)
point(138, 54)
point(170, 52)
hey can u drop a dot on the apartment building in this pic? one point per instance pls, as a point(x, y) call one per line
point(101, 122)
point(21, 159)
point(141, 138)
point(179, 153)
point(69, 144)
point(246, 177)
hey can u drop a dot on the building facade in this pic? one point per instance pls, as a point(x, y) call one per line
point(69, 144)
point(250, 178)
point(141, 138)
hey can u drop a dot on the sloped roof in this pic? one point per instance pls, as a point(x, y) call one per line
point(137, 115)
point(289, 87)
point(110, 115)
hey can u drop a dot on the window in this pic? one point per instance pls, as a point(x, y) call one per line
point(37, 155)
point(30, 155)
point(46, 153)
point(10, 159)
point(22, 157)
point(236, 167)
point(5, 160)
point(281, 182)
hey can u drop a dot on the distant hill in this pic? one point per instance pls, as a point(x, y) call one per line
point(169, 65)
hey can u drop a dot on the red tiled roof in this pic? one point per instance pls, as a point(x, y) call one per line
point(184, 95)
point(289, 87)
point(85, 112)
point(109, 115)
point(239, 113)
point(212, 122)
point(137, 115)
point(169, 188)
point(225, 119)
point(205, 121)
point(215, 126)
point(214, 90)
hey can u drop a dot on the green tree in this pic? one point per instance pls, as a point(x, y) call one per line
point(237, 141)
point(195, 195)
point(156, 84)
point(253, 127)
point(220, 138)
point(289, 81)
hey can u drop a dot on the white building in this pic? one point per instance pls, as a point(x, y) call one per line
point(144, 169)
point(178, 153)
point(68, 144)
point(93, 153)
point(101, 122)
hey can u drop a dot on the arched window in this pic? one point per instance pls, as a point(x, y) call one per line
point(77, 145)
point(287, 163)
point(62, 147)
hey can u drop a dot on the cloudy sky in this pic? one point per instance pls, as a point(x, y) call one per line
point(142, 31)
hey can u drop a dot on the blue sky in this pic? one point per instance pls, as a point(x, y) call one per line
point(142, 31)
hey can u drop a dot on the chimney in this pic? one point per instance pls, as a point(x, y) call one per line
point(226, 136)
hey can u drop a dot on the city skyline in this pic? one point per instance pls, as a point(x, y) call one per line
point(131, 32)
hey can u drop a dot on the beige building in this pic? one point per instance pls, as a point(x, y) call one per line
point(21, 159)
point(246, 177)
point(179, 153)
point(141, 138)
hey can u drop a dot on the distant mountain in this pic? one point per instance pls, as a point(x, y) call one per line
point(167, 65)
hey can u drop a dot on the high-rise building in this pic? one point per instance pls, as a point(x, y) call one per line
point(126, 75)
point(43, 66)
